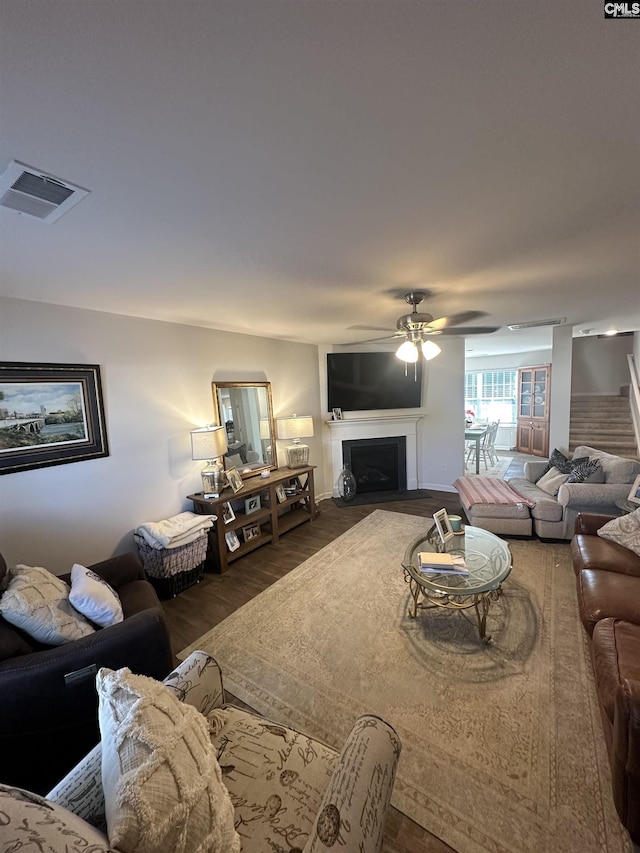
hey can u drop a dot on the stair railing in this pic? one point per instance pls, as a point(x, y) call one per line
point(634, 398)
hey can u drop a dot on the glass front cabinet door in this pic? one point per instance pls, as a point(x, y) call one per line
point(533, 410)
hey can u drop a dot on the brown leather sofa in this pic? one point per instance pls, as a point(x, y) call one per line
point(48, 700)
point(608, 588)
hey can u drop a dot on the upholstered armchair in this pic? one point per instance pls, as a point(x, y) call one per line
point(288, 790)
point(48, 702)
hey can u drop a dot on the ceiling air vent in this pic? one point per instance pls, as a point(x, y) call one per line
point(35, 193)
point(532, 324)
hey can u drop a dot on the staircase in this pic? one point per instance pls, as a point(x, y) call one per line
point(604, 423)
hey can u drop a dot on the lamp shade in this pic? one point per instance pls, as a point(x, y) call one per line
point(208, 442)
point(430, 349)
point(407, 352)
point(295, 427)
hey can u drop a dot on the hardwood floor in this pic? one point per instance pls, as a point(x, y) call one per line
point(200, 607)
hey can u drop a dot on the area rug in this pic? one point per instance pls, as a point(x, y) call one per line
point(502, 745)
point(498, 470)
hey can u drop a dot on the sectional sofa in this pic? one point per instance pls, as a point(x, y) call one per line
point(608, 589)
point(554, 516)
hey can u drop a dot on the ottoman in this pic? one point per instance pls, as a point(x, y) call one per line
point(495, 506)
point(503, 519)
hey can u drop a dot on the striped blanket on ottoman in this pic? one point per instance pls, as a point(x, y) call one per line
point(495, 505)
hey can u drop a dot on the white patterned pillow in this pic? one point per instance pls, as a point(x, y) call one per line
point(624, 530)
point(551, 481)
point(30, 822)
point(37, 601)
point(162, 783)
point(94, 597)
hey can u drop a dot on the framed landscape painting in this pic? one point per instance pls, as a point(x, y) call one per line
point(50, 414)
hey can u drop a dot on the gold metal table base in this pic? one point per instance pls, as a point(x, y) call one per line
point(480, 601)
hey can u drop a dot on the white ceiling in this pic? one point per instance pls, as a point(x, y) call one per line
point(290, 169)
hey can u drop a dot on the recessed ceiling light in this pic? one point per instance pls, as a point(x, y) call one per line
point(610, 332)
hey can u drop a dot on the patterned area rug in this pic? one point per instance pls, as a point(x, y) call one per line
point(497, 470)
point(502, 744)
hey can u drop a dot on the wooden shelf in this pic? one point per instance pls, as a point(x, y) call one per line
point(274, 517)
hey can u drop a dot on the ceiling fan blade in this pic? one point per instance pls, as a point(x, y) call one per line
point(455, 319)
point(369, 328)
point(373, 340)
point(468, 330)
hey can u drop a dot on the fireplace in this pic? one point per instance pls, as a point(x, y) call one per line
point(388, 427)
point(378, 464)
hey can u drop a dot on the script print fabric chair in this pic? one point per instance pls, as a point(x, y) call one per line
point(289, 791)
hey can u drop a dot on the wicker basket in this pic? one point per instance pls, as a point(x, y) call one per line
point(172, 570)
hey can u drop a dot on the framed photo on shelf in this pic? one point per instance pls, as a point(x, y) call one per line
point(250, 532)
point(280, 493)
point(336, 414)
point(251, 504)
point(231, 538)
point(443, 525)
point(234, 479)
point(634, 494)
point(227, 513)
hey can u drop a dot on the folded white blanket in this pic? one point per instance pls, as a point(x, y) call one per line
point(175, 531)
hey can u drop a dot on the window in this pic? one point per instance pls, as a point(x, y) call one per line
point(491, 394)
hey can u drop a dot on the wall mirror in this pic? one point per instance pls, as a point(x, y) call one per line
point(244, 409)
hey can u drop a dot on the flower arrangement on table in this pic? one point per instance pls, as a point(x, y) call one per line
point(469, 417)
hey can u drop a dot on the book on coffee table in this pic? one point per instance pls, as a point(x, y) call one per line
point(432, 563)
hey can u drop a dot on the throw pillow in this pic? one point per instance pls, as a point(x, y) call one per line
point(551, 481)
point(624, 530)
point(162, 783)
point(30, 822)
point(582, 471)
point(562, 463)
point(556, 460)
point(94, 597)
point(38, 602)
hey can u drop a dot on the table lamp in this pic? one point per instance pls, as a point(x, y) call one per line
point(295, 428)
point(210, 443)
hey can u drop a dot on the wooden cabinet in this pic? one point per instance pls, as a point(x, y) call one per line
point(264, 509)
point(534, 388)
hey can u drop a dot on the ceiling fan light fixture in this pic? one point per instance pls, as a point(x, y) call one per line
point(430, 349)
point(407, 352)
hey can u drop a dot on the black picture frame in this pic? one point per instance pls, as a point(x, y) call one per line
point(34, 434)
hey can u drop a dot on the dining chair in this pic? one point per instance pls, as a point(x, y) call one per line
point(491, 449)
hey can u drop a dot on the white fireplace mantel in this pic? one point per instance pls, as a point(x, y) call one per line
point(354, 429)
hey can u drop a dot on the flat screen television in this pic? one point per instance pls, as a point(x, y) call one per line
point(357, 381)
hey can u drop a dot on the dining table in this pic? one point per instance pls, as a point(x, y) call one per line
point(476, 433)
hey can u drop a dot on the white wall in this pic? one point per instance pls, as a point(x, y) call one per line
point(559, 399)
point(600, 364)
point(441, 433)
point(157, 387)
point(441, 427)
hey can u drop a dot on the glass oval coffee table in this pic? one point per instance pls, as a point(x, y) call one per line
point(487, 558)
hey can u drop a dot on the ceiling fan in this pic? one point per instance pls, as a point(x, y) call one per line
point(418, 328)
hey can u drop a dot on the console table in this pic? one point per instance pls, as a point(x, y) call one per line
point(277, 512)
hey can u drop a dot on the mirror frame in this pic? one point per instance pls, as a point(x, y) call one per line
point(215, 386)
